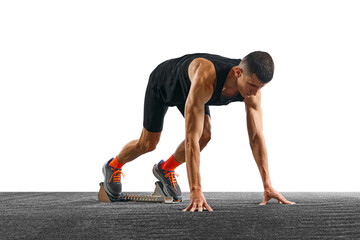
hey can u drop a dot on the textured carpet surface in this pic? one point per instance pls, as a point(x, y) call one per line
point(52, 215)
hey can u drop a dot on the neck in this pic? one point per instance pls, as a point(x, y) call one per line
point(231, 80)
point(230, 86)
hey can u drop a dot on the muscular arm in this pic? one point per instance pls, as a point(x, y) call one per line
point(202, 75)
point(258, 147)
point(256, 137)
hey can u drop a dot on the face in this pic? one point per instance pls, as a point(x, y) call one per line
point(248, 85)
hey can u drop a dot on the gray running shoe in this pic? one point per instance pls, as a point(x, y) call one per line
point(168, 179)
point(112, 182)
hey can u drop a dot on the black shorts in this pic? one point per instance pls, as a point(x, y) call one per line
point(155, 110)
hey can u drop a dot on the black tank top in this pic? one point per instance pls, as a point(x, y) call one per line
point(171, 82)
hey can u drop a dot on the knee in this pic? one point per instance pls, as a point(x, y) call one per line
point(205, 137)
point(147, 146)
point(148, 141)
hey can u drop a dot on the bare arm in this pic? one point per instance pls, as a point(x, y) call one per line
point(202, 76)
point(258, 147)
point(256, 136)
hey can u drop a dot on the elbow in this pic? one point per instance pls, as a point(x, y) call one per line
point(254, 141)
point(252, 144)
point(192, 148)
point(190, 142)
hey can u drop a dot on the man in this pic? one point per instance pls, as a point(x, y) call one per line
point(192, 83)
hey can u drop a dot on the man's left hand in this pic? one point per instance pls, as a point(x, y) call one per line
point(272, 193)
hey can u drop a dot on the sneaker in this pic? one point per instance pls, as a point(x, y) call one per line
point(112, 182)
point(168, 179)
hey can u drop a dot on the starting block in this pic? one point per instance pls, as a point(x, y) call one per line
point(158, 196)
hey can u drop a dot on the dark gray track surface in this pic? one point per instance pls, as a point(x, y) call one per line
point(64, 215)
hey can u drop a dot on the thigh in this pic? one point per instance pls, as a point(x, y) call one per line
point(154, 111)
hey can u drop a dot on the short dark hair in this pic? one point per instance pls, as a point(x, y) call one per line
point(259, 63)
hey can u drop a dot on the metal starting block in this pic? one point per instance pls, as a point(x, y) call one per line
point(158, 196)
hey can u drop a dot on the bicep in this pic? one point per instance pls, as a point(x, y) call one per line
point(200, 92)
point(194, 110)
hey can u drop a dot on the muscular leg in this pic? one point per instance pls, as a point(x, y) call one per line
point(146, 143)
point(179, 154)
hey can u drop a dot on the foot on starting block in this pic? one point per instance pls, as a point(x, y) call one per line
point(158, 196)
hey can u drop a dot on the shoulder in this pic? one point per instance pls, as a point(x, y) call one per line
point(201, 61)
point(201, 68)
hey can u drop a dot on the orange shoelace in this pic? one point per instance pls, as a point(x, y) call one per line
point(172, 178)
point(116, 175)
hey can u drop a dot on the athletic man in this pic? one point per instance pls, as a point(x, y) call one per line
point(192, 83)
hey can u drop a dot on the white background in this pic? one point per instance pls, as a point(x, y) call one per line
point(73, 77)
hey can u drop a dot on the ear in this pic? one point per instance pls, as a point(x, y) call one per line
point(238, 71)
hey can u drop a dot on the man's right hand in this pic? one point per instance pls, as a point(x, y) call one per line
point(197, 201)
